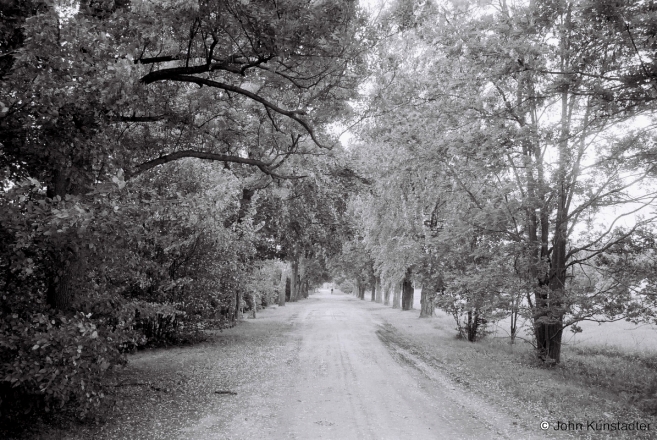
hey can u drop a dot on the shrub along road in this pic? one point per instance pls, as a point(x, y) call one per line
point(329, 367)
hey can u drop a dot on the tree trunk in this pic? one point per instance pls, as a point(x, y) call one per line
point(428, 296)
point(281, 297)
point(407, 291)
point(386, 294)
point(373, 284)
point(66, 264)
point(378, 290)
point(426, 301)
point(245, 204)
point(473, 325)
point(238, 305)
point(361, 290)
point(396, 297)
point(282, 288)
point(294, 287)
point(549, 325)
point(60, 292)
point(515, 311)
point(288, 289)
point(299, 284)
point(548, 328)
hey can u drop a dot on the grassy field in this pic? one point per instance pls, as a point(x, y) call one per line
point(619, 335)
point(608, 375)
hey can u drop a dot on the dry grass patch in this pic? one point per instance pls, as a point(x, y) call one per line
point(592, 383)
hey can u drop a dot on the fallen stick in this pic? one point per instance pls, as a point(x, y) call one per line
point(130, 384)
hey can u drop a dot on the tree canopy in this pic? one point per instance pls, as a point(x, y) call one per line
point(510, 154)
point(167, 165)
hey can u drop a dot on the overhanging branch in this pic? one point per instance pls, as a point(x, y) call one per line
point(171, 76)
point(261, 165)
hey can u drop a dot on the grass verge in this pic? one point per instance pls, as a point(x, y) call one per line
point(591, 384)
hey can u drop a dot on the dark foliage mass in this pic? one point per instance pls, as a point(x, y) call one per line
point(164, 168)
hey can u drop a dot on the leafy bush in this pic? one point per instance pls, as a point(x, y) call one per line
point(146, 264)
point(48, 360)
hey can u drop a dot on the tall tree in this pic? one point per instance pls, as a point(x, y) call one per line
point(517, 121)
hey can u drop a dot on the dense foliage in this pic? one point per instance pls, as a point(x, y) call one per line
point(165, 167)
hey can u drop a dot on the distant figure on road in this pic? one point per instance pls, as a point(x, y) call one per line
point(331, 291)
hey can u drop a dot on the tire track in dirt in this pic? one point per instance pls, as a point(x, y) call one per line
point(454, 387)
point(372, 386)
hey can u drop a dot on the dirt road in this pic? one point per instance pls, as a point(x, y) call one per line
point(352, 383)
point(328, 367)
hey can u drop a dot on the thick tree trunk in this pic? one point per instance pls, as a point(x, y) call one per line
point(428, 296)
point(245, 204)
point(60, 292)
point(407, 291)
point(288, 289)
point(386, 294)
point(396, 297)
point(361, 290)
point(66, 265)
point(426, 301)
point(549, 302)
point(294, 287)
point(549, 325)
point(378, 290)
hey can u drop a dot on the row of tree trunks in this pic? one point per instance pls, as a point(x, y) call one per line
point(300, 285)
